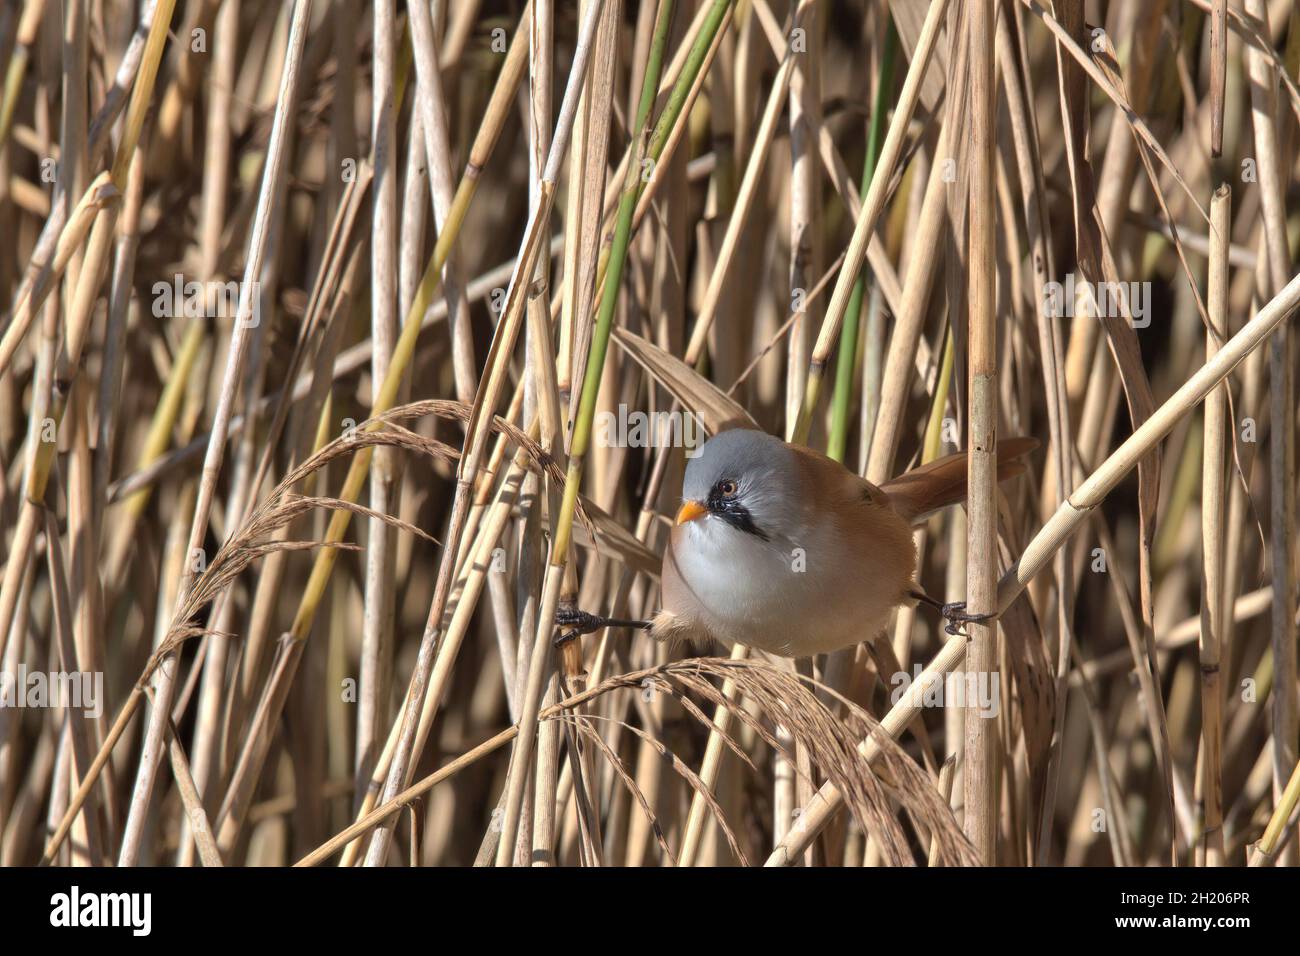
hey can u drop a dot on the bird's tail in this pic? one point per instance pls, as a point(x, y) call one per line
point(923, 491)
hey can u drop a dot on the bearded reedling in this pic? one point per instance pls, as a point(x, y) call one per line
point(782, 549)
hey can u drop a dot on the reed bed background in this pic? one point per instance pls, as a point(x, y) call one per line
point(317, 315)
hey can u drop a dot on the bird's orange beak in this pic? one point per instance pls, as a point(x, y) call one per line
point(690, 510)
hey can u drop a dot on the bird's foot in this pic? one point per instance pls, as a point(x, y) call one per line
point(581, 622)
point(955, 615)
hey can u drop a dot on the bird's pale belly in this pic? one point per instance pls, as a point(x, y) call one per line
point(793, 604)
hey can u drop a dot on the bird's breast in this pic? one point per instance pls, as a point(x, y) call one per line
point(810, 592)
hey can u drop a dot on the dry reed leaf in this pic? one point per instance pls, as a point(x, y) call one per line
point(715, 409)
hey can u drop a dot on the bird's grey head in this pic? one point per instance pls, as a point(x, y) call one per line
point(745, 479)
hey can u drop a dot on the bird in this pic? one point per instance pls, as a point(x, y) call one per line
point(783, 549)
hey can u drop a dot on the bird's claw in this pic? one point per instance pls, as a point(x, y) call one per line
point(581, 622)
point(577, 621)
point(565, 637)
point(955, 615)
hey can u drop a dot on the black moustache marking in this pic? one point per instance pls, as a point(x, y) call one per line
point(736, 515)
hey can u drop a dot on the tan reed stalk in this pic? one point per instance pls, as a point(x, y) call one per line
point(536, 836)
point(1272, 160)
point(377, 634)
point(805, 246)
point(981, 769)
point(1213, 605)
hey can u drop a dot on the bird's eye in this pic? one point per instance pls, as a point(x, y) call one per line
point(727, 488)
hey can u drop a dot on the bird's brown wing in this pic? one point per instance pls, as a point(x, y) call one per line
point(923, 491)
point(831, 482)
